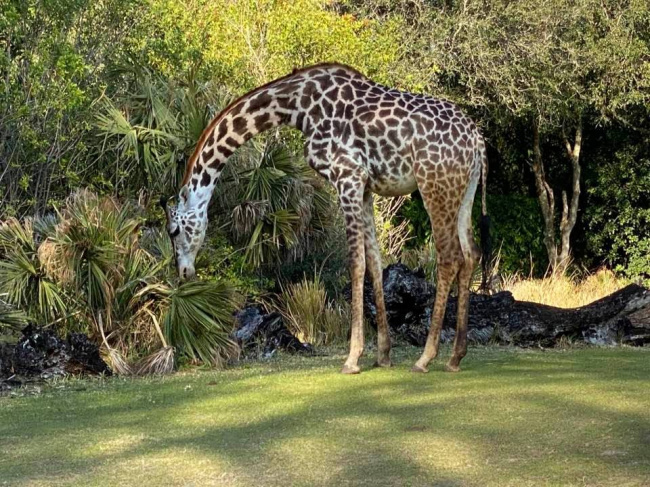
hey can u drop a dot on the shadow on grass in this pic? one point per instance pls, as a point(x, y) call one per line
point(508, 417)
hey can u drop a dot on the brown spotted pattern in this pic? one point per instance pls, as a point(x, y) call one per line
point(364, 138)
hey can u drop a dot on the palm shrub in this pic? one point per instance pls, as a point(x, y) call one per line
point(152, 127)
point(196, 317)
point(24, 278)
point(272, 203)
point(93, 269)
point(11, 319)
point(130, 285)
point(96, 238)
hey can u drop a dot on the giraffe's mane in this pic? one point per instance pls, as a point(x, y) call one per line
point(211, 126)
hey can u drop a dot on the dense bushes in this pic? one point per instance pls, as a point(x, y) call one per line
point(618, 212)
point(113, 95)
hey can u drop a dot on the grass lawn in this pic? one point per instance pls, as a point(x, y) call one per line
point(577, 417)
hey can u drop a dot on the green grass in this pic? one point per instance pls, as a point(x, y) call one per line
point(577, 417)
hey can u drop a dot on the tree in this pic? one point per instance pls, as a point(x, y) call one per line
point(558, 66)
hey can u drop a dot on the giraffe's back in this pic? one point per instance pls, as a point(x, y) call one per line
point(384, 130)
point(408, 132)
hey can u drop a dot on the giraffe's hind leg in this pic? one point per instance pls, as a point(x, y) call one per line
point(373, 266)
point(442, 201)
point(471, 255)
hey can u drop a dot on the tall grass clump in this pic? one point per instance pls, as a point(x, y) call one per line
point(565, 291)
point(310, 315)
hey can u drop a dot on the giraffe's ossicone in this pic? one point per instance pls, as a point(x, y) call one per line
point(365, 139)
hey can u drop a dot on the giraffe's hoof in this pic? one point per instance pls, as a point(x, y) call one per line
point(419, 370)
point(350, 369)
point(384, 362)
point(452, 368)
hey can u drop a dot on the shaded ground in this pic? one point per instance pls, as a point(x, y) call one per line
point(578, 417)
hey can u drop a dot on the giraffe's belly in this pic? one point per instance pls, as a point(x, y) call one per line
point(396, 181)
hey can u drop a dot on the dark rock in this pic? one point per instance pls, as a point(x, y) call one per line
point(623, 317)
point(262, 334)
point(6, 359)
point(84, 356)
point(39, 352)
point(42, 354)
point(250, 320)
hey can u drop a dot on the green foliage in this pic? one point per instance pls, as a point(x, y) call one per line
point(152, 129)
point(549, 60)
point(97, 244)
point(618, 212)
point(553, 66)
point(220, 261)
point(414, 212)
point(250, 42)
point(88, 267)
point(53, 61)
point(330, 256)
point(11, 319)
point(113, 95)
point(515, 223)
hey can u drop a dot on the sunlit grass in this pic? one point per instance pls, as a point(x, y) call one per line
point(565, 291)
point(512, 417)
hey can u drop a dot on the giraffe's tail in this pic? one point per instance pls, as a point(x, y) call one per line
point(484, 224)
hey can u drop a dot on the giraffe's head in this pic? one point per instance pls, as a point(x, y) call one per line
point(186, 224)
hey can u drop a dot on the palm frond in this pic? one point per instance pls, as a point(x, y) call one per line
point(198, 319)
point(11, 318)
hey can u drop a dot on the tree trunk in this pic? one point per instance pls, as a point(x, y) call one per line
point(546, 199)
point(622, 317)
point(570, 211)
point(558, 255)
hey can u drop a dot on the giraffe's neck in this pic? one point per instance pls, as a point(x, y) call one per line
point(273, 105)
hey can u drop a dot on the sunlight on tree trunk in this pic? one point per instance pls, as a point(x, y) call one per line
point(546, 198)
point(559, 256)
point(570, 212)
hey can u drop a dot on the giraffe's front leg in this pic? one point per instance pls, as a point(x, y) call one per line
point(351, 189)
point(373, 265)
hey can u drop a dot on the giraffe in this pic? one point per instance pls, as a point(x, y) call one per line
point(365, 139)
